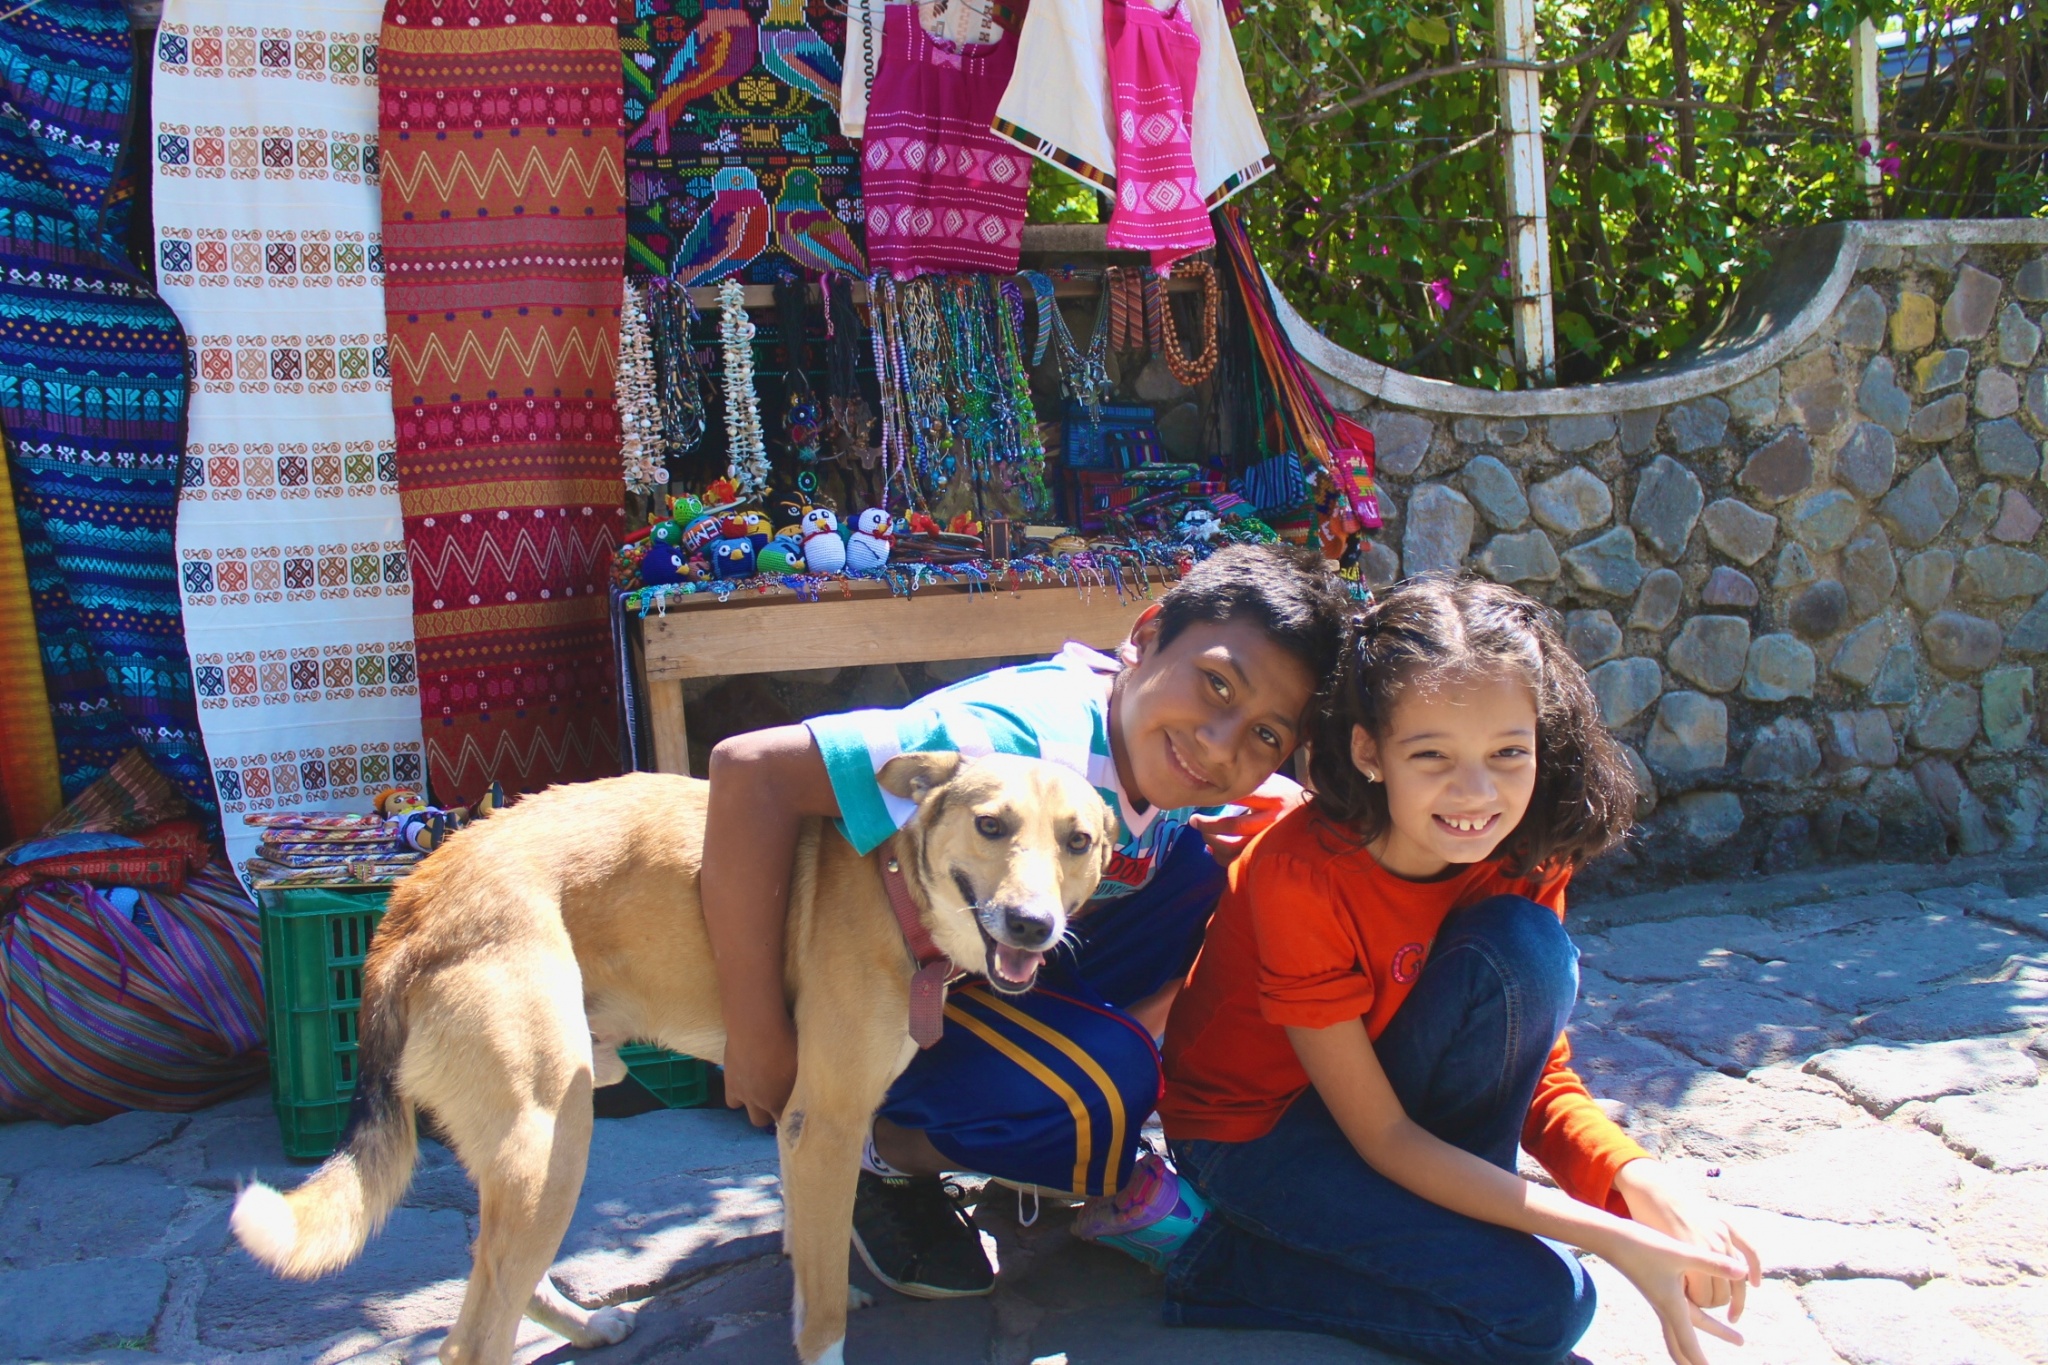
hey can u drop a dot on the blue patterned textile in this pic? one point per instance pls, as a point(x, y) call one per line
point(92, 401)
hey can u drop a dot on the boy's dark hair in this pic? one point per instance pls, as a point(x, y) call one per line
point(1292, 595)
point(1437, 628)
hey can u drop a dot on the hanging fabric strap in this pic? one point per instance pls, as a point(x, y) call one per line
point(934, 968)
point(1041, 291)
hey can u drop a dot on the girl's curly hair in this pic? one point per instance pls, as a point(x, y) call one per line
point(1433, 629)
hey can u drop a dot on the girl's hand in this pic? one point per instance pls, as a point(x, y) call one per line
point(1226, 835)
point(1660, 1267)
point(1655, 1201)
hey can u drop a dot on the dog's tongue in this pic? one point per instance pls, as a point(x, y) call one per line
point(1016, 964)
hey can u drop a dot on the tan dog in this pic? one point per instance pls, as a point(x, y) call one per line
point(513, 963)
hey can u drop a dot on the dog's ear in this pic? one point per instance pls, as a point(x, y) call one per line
point(916, 776)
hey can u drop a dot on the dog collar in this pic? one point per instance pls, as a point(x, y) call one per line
point(934, 968)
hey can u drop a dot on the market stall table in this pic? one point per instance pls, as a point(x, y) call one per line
point(700, 637)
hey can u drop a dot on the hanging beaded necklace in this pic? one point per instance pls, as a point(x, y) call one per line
point(1166, 340)
point(747, 454)
point(639, 415)
point(679, 385)
point(1085, 378)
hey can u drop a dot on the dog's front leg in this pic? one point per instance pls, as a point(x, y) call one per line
point(820, 1143)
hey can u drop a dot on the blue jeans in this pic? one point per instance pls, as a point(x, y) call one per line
point(1306, 1236)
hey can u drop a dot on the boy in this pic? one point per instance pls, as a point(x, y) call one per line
point(1050, 1089)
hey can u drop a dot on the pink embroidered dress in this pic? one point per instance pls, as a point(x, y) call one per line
point(1153, 56)
point(943, 192)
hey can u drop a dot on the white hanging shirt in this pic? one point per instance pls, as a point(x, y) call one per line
point(1058, 105)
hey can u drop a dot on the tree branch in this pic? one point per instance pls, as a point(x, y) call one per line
point(1366, 196)
point(1603, 48)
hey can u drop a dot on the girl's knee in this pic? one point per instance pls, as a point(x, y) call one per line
point(1526, 939)
point(1557, 1314)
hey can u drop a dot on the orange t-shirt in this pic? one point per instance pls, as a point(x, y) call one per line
point(1313, 931)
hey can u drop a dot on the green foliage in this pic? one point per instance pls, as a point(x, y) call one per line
point(1057, 197)
point(1388, 197)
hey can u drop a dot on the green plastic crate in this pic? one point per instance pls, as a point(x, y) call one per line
point(314, 941)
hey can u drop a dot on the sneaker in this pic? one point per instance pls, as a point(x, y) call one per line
point(1150, 1219)
point(910, 1232)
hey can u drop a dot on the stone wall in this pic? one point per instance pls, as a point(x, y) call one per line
point(1805, 566)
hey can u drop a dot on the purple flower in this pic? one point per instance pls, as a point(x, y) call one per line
point(1888, 166)
point(1660, 150)
point(1439, 292)
point(1863, 148)
point(1506, 273)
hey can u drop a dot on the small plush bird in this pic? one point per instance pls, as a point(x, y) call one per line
point(700, 534)
point(824, 551)
point(732, 230)
point(809, 232)
point(732, 559)
point(784, 554)
point(756, 526)
point(794, 53)
point(719, 50)
point(869, 547)
point(663, 564)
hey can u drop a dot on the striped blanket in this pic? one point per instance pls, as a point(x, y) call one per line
point(123, 999)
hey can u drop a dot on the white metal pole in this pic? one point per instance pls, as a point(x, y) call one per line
point(1863, 109)
point(1528, 220)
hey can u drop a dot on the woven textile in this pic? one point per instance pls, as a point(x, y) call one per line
point(735, 163)
point(1153, 55)
point(298, 603)
point(504, 238)
point(125, 999)
point(943, 192)
point(92, 400)
point(29, 791)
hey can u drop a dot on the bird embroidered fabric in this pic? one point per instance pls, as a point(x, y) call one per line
point(504, 233)
point(944, 193)
point(735, 162)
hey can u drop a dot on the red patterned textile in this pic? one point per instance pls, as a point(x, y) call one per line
point(943, 192)
point(504, 243)
point(169, 854)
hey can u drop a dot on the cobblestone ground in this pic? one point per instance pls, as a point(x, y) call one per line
point(1849, 1065)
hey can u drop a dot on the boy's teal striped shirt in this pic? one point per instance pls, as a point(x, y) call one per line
point(1056, 710)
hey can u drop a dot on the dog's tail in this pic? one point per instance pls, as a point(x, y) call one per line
point(323, 1224)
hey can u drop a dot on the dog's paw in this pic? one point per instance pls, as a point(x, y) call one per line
point(858, 1298)
point(835, 1354)
point(609, 1327)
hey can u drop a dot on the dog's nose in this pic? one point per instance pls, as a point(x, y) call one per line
point(1027, 927)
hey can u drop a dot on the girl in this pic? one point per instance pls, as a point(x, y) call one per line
point(1377, 1022)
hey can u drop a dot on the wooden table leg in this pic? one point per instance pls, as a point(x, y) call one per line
point(671, 736)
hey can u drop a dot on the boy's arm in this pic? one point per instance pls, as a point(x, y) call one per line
point(763, 785)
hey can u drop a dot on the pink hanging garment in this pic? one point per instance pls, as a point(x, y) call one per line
point(1152, 59)
point(943, 192)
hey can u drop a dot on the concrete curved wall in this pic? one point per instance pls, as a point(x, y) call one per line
point(1805, 563)
point(1813, 270)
